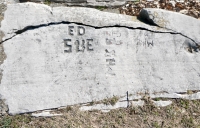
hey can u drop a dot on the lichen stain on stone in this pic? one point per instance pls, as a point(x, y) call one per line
point(134, 18)
point(2, 58)
point(2, 10)
point(159, 19)
point(3, 106)
point(2, 53)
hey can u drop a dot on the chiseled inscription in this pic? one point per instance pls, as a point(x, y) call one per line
point(80, 45)
point(110, 54)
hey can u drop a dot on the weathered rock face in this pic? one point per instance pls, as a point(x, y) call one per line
point(106, 3)
point(9, 1)
point(3, 106)
point(77, 55)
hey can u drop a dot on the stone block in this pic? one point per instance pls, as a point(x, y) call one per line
point(72, 55)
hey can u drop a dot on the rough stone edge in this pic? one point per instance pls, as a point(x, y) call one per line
point(3, 106)
point(125, 102)
point(131, 100)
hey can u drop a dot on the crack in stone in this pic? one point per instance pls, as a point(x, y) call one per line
point(144, 17)
point(96, 27)
point(181, 35)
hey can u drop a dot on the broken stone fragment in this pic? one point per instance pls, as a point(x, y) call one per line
point(73, 55)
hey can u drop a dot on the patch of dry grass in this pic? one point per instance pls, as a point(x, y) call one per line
point(182, 113)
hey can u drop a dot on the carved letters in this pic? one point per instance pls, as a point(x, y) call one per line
point(79, 45)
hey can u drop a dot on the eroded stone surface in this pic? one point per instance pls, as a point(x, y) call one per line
point(107, 108)
point(9, 1)
point(73, 57)
point(45, 113)
point(3, 106)
point(85, 2)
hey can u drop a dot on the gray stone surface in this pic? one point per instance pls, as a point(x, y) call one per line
point(111, 10)
point(107, 3)
point(9, 1)
point(77, 55)
point(177, 22)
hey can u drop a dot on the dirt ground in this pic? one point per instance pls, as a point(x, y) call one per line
point(180, 114)
point(186, 7)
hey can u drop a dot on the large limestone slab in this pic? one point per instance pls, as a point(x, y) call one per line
point(68, 57)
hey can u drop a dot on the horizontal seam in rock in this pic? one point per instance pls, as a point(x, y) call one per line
point(65, 22)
